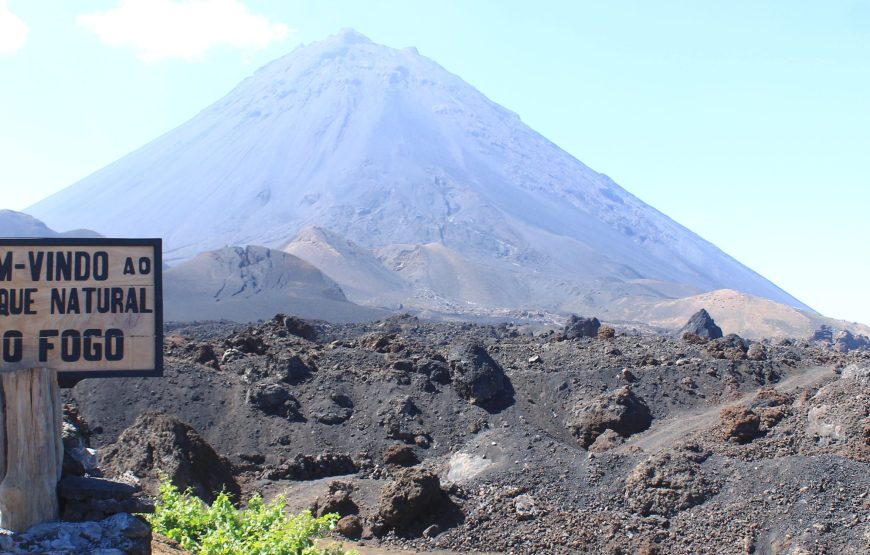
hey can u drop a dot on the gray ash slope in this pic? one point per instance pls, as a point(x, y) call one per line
point(761, 447)
point(460, 201)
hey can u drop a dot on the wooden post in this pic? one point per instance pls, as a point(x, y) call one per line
point(31, 450)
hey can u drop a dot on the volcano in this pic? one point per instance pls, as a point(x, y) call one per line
point(462, 205)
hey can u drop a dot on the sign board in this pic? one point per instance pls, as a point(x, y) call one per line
point(84, 307)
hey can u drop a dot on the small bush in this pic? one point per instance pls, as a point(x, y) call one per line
point(221, 529)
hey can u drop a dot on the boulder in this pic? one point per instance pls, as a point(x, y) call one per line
point(401, 455)
point(382, 342)
point(119, 534)
point(620, 410)
point(525, 507)
point(578, 326)
point(437, 370)
point(274, 398)
point(158, 444)
point(206, 355)
point(247, 342)
point(702, 325)
point(669, 482)
point(336, 499)
point(476, 376)
point(350, 527)
point(845, 341)
point(333, 410)
point(414, 493)
point(606, 441)
point(739, 424)
point(731, 347)
point(298, 327)
point(291, 369)
point(85, 498)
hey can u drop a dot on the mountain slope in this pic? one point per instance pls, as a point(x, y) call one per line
point(383, 147)
point(361, 275)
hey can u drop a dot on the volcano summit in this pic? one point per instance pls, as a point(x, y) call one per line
point(383, 153)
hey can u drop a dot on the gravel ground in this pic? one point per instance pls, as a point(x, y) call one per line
point(541, 444)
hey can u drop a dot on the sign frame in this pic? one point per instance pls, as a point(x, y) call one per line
point(68, 378)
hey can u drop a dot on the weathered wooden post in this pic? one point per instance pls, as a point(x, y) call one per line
point(31, 461)
point(69, 309)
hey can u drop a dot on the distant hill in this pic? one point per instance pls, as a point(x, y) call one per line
point(19, 224)
point(251, 283)
point(735, 312)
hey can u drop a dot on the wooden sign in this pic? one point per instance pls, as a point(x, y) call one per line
point(84, 307)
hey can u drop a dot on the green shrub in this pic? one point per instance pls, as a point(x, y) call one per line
point(260, 529)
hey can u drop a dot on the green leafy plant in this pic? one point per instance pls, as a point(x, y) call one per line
point(222, 529)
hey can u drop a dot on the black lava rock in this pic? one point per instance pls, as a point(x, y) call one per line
point(702, 325)
point(579, 326)
point(476, 376)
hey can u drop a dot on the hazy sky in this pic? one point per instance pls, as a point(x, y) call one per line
point(746, 121)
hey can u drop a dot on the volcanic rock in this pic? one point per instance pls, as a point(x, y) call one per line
point(525, 507)
point(702, 325)
point(858, 372)
point(620, 410)
point(413, 493)
point(274, 398)
point(401, 455)
point(158, 444)
point(298, 327)
point(824, 334)
point(606, 441)
point(756, 351)
point(308, 467)
point(205, 354)
point(90, 499)
point(668, 482)
point(578, 326)
point(78, 458)
point(731, 347)
point(476, 376)
point(845, 341)
point(437, 370)
point(350, 527)
point(247, 343)
point(739, 424)
point(119, 534)
point(336, 499)
point(335, 409)
point(291, 369)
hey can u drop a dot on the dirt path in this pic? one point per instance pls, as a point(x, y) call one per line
point(684, 424)
point(376, 550)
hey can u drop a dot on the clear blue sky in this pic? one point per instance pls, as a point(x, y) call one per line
point(746, 121)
